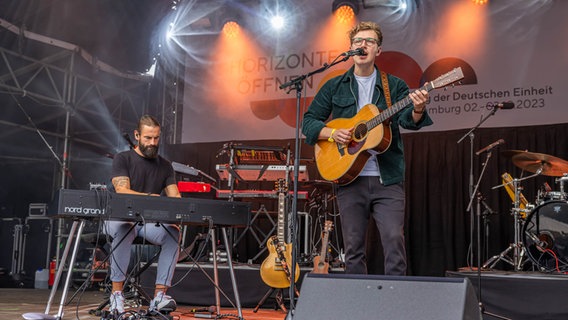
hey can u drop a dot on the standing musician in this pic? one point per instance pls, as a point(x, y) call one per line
point(142, 171)
point(378, 191)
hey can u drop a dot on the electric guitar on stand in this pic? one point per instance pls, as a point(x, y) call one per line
point(320, 263)
point(275, 271)
point(342, 163)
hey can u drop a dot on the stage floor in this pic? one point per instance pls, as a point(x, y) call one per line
point(16, 302)
point(504, 295)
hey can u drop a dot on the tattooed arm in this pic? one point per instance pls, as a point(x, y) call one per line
point(173, 191)
point(122, 185)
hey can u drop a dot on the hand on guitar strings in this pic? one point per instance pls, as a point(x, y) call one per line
point(341, 136)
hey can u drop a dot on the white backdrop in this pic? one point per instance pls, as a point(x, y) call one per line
point(515, 51)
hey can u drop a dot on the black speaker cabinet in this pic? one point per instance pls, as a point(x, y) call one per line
point(386, 297)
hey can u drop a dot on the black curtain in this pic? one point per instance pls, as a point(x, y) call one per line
point(438, 230)
point(438, 183)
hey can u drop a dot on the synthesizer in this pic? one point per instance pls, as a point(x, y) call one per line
point(89, 204)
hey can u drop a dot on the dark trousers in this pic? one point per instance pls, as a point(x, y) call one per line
point(358, 201)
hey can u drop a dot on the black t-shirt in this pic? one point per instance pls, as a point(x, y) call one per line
point(146, 175)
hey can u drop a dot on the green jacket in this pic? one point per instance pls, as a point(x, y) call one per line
point(338, 99)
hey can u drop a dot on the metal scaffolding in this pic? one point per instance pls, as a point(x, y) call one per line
point(62, 106)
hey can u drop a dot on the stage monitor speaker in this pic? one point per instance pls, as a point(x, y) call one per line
point(386, 297)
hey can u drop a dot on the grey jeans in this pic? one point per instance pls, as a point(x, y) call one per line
point(358, 201)
point(165, 235)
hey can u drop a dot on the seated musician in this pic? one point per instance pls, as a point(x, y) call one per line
point(142, 171)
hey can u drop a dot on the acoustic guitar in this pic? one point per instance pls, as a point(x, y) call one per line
point(275, 270)
point(342, 163)
point(320, 263)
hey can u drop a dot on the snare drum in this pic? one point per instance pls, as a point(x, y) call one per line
point(545, 236)
point(544, 197)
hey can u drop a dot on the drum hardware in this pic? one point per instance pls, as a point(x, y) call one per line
point(518, 211)
point(539, 164)
point(508, 184)
point(544, 196)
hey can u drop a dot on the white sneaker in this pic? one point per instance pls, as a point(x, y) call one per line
point(162, 303)
point(117, 302)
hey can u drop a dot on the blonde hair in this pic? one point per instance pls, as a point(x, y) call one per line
point(366, 25)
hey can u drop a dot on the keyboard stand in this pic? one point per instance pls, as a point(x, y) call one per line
point(231, 272)
point(76, 231)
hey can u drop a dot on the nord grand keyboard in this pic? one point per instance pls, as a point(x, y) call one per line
point(116, 206)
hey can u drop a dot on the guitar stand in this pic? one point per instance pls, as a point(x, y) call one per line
point(279, 297)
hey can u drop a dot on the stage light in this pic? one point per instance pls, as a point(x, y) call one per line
point(277, 22)
point(229, 22)
point(231, 29)
point(346, 8)
point(170, 32)
point(480, 2)
point(344, 14)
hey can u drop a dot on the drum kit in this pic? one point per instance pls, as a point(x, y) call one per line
point(541, 229)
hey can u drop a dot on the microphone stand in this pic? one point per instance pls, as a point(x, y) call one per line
point(471, 138)
point(480, 200)
point(297, 85)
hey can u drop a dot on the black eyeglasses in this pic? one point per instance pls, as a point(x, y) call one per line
point(369, 41)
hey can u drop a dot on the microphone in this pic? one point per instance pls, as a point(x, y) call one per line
point(540, 241)
point(505, 105)
point(127, 137)
point(491, 146)
point(356, 52)
point(211, 309)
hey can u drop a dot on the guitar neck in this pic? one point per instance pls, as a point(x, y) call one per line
point(324, 241)
point(281, 229)
point(397, 107)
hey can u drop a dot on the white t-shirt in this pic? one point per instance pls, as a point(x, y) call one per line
point(366, 87)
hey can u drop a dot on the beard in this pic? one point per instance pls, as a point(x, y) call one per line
point(149, 151)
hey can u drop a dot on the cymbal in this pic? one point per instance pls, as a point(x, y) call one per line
point(533, 162)
point(511, 153)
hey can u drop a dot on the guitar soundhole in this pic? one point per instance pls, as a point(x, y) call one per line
point(360, 132)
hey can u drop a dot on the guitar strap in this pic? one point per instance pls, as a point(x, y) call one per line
point(385, 82)
point(386, 90)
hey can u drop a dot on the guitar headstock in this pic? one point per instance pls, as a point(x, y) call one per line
point(328, 226)
point(281, 186)
point(448, 78)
